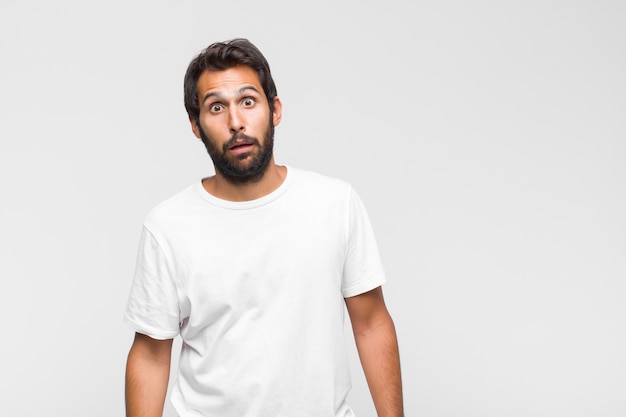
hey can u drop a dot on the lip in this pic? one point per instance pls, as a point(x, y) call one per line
point(241, 148)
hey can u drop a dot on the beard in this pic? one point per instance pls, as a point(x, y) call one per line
point(244, 168)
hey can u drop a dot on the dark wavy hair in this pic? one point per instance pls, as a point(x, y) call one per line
point(221, 56)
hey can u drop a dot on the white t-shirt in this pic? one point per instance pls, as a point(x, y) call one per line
point(256, 291)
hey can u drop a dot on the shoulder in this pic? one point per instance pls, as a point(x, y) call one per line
point(315, 182)
point(318, 193)
point(174, 207)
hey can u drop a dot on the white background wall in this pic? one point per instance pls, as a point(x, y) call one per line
point(487, 139)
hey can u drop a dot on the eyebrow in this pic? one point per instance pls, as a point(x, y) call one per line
point(219, 94)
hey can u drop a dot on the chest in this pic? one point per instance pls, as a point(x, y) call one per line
point(261, 263)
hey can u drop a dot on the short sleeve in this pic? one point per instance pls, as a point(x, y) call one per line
point(363, 270)
point(153, 307)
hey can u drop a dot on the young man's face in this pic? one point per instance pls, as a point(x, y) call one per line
point(235, 123)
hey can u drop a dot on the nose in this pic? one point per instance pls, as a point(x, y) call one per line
point(236, 122)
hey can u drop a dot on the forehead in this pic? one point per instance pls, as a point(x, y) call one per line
point(227, 81)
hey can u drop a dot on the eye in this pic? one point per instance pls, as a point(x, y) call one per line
point(248, 102)
point(216, 108)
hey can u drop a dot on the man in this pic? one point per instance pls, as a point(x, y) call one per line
point(253, 268)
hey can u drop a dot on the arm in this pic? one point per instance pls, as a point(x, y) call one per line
point(376, 341)
point(147, 375)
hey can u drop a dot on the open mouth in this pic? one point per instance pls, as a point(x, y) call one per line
point(241, 146)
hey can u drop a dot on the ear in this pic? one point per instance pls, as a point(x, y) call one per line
point(278, 111)
point(194, 127)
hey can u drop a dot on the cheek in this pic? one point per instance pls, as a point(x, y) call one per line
point(215, 129)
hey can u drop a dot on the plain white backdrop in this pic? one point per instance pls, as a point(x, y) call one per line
point(487, 139)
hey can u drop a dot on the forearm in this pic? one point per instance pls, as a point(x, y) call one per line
point(378, 351)
point(146, 385)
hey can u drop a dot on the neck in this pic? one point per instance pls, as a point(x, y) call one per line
point(220, 187)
